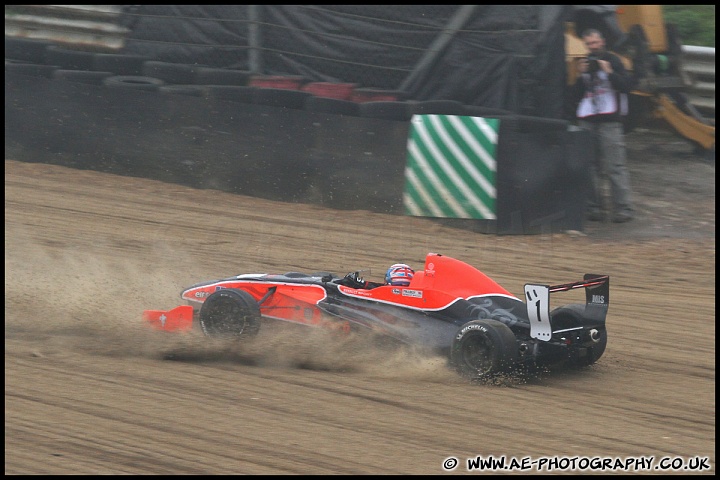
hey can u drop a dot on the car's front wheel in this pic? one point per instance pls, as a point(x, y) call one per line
point(483, 348)
point(230, 313)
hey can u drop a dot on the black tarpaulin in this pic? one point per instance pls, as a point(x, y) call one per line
point(509, 57)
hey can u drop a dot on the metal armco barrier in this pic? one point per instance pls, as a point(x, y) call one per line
point(698, 67)
point(91, 26)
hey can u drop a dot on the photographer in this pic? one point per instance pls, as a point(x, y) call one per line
point(600, 94)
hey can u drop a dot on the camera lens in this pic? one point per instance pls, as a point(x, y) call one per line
point(593, 65)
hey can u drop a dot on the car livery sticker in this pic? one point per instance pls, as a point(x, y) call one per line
point(412, 293)
point(430, 269)
point(414, 299)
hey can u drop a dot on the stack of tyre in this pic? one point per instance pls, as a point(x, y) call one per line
point(118, 70)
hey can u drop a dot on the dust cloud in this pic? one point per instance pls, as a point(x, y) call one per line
point(94, 304)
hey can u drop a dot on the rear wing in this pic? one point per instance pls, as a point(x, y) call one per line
point(597, 300)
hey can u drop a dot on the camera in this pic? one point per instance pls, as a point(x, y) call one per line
point(593, 65)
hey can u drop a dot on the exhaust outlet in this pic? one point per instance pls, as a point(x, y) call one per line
point(523, 348)
point(594, 335)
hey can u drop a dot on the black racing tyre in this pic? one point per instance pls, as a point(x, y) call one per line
point(483, 348)
point(242, 94)
point(365, 94)
point(221, 76)
point(32, 69)
point(30, 50)
point(119, 64)
point(530, 124)
point(69, 59)
point(133, 81)
point(189, 90)
point(81, 76)
point(332, 105)
point(281, 97)
point(386, 110)
point(437, 107)
point(230, 313)
point(283, 82)
point(485, 112)
point(177, 73)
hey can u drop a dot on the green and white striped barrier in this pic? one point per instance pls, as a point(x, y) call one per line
point(451, 167)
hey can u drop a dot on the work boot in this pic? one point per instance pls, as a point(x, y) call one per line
point(622, 216)
point(595, 215)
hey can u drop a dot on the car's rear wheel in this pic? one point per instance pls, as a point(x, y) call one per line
point(483, 349)
point(591, 351)
point(230, 313)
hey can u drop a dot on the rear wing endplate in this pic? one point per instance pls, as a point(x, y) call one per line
point(597, 299)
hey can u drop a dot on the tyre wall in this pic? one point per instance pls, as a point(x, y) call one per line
point(138, 127)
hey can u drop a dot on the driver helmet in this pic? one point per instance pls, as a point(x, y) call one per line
point(399, 275)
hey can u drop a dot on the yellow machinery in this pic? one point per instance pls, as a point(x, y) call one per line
point(652, 51)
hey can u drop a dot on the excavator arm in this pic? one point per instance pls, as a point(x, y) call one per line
point(684, 124)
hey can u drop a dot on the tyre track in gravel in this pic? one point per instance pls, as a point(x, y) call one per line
point(89, 391)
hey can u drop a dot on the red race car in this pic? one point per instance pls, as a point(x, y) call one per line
point(449, 307)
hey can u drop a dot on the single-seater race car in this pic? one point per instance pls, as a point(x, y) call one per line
point(449, 307)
